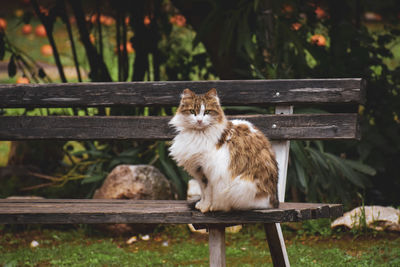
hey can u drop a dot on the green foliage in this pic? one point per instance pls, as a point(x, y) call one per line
point(323, 176)
point(321, 227)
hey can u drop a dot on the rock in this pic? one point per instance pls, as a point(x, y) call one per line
point(194, 193)
point(133, 182)
point(376, 217)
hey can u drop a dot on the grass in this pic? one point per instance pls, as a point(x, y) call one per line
point(79, 247)
point(4, 150)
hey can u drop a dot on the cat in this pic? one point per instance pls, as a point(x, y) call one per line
point(232, 160)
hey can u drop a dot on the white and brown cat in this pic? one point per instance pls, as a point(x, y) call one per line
point(232, 160)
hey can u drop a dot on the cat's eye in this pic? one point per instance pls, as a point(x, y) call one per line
point(207, 111)
point(192, 111)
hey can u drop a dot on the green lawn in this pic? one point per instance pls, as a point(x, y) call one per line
point(73, 247)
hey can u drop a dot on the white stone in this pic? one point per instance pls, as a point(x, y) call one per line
point(376, 217)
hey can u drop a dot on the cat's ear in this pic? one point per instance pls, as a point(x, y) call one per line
point(212, 93)
point(187, 93)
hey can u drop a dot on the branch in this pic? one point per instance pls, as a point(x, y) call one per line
point(99, 71)
point(71, 39)
point(48, 23)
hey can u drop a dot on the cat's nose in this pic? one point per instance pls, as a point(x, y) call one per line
point(199, 121)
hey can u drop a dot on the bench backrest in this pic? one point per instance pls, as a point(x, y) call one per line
point(279, 127)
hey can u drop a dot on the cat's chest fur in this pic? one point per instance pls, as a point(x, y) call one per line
point(199, 149)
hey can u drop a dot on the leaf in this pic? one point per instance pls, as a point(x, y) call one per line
point(129, 153)
point(358, 166)
point(301, 175)
point(161, 150)
point(170, 172)
point(12, 68)
point(90, 169)
point(93, 153)
point(318, 157)
point(346, 171)
point(184, 175)
point(298, 150)
point(93, 178)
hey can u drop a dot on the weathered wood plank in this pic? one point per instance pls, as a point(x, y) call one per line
point(216, 245)
point(276, 127)
point(276, 245)
point(240, 92)
point(155, 211)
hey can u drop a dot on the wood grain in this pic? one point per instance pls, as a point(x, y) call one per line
point(276, 245)
point(276, 127)
point(155, 211)
point(239, 92)
point(216, 245)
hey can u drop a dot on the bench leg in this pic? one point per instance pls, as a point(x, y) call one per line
point(276, 244)
point(216, 245)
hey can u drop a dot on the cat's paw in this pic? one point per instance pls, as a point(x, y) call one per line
point(203, 206)
point(219, 208)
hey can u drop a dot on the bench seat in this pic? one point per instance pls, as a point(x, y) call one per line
point(67, 211)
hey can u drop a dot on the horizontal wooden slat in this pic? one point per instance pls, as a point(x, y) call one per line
point(276, 127)
point(240, 92)
point(154, 211)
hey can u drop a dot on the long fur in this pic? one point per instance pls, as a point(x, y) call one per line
point(232, 160)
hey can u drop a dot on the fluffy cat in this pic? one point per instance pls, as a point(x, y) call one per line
point(232, 160)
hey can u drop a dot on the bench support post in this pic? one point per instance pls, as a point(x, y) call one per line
point(216, 245)
point(276, 242)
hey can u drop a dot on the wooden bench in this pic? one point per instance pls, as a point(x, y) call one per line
point(279, 127)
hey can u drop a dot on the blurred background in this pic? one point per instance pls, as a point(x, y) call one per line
point(164, 40)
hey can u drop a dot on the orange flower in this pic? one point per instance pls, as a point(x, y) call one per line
point(105, 20)
point(318, 40)
point(93, 19)
point(108, 21)
point(3, 24)
point(40, 31)
point(72, 20)
point(27, 29)
point(296, 26)
point(146, 20)
point(129, 48)
point(22, 80)
point(178, 20)
point(44, 10)
point(287, 9)
point(92, 38)
point(19, 13)
point(46, 50)
point(320, 13)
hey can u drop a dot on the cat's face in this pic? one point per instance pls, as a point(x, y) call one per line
point(199, 111)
